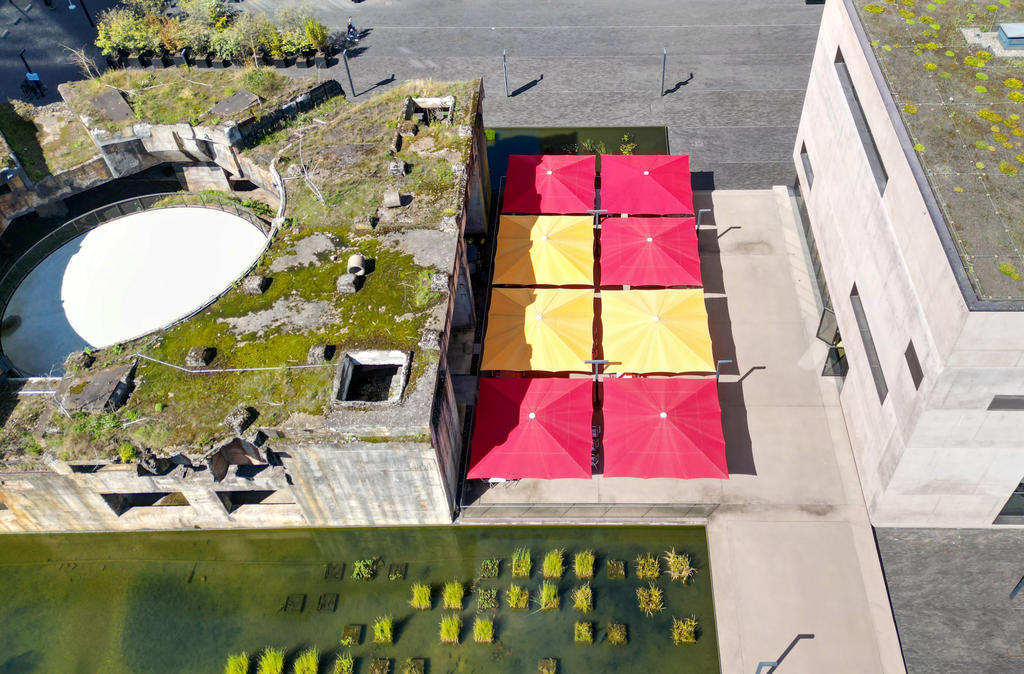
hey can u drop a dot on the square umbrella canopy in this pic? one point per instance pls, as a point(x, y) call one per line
point(545, 250)
point(663, 428)
point(651, 184)
point(649, 252)
point(648, 331)
point(542, 329)
point(549, 183)
point(532, 428)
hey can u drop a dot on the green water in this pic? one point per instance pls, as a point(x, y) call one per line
point(181, 602)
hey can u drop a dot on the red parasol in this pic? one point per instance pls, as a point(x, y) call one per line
point(649, 252)
point(653, 184)
point(549, 183)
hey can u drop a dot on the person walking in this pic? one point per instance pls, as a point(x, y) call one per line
point(353, 34)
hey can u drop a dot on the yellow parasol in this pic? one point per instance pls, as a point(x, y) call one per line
point(545, 250)
point(550, 330)
point(656, 331)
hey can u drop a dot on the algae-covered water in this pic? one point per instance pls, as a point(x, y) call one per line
point(182, 602)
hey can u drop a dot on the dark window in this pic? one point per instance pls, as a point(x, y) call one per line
point(1006, 403)
point(916, 373)
point(861, 122)
point(1013, 511)
point(808, 171)
point(869, 345)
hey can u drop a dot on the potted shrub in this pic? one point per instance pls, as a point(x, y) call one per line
point(317, 38)
point(123, 30)
point(195, 37)
point(226, 46)
point(171, 41)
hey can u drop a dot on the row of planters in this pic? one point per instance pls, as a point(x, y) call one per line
point(137, 33)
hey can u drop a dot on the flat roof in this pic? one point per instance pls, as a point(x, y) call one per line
point(961, 99)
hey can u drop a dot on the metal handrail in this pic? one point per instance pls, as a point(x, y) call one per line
point(75, 227)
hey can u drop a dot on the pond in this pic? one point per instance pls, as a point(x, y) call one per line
point(184, 601)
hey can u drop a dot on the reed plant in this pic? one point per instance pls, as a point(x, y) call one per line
point(271, 661)
point(384, 630)
point(617, 635)
point(554, 563)
point(522, 564)
point(380, 666)
point(647, 567)
point(489, 568)
point(651, 599)
point(345, 664)
point(307, 662)
point(548, 596)
point(237, 664)
point(583, 564)
point(452, 595)
point(517, 597)
point(616, 569)
point(583, 633)
point(679, 566)
point(583, 598)
point(684, 631)
point(451, 625)
point(486, 599)
point(483, 630)
point(420, 597)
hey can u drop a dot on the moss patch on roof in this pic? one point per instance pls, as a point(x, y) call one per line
point(963, 111)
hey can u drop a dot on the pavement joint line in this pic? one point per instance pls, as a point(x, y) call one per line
point(605, 26)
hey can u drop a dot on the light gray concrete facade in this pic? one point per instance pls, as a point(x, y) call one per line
point(929, 451)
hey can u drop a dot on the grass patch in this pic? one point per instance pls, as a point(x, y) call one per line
point(517, 597)
point(489, 568)
point(617, 634)
point(650, 599)
point(647, 567)
point(549, 600)
point(684, 631)
point(583, 564)
point(271, 661)
point(420, 597)
point(616, 569)
point(486, 599)
point(384, 630)
point(554, 562)
point(452, 595)
point(583, 598)
point(483, 631)
point(237, 664)
point(344, 664)
point(583, 633)
point(678, 566)
point(307, 662)
point(522, 564)
point(451, 627)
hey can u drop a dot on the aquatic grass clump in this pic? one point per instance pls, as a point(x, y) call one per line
point(521, 563)
point(617, 635)
point(547, 666)
point(384, 630)
point(451, 625)
point(351, 635)
point(517, 597)
point(486, 599)
point(307, 662)
point(583, 564)
point(679, 566)
point(489, 568)
point(271, 661)
point(345, 664)
point(616, 569)
point(647, 567)
point(651, 599)
point(364, 569)
point(452, 595)
point(420, 597)
point(237, 664)
point(483, 631)
point(684, 631)
point(554, 563)
point(583, 633)
point(583, 598)
point(380, 666)
point(413, 666)
point(548, 596)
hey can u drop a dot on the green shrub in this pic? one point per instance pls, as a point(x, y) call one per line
point(553, 563)
point(980, 89)
point(1013, 83)
point(483, 630)
point(910, 108)
point(316, 34)
point(345, 664)
point(583, 598)
point(521, 563)
point(583, 633)
point(1008, 168)
point(684, 631)
point(271, 662)
point(451, 625)
point(127, 452)
point(122, 29)
point(420, 597)
point(990, 115)
point(874, 9)
point(548, 596)
point(365, 569)
point(237, 664)
point(307, 662)
point(486, 599)
point(617, 635)
point(931, 66)
point(583, 564)
point(383, 630)
point(489, 568)
point(647, 567)
point(679, 567)
point(1016, 96)
point(651, 599)
point(517, 597)
point(981, 76)
point(616, 569)
point(452, 595)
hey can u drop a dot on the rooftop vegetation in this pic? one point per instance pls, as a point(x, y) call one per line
point(962, 106)
point(45, 140)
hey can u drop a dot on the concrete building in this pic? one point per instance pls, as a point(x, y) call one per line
point(915, 218)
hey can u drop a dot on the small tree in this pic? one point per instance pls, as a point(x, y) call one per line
point(122, 29)
point(316, 34)
point(170, 34)
point(226, 43)
point(209, 12)
point(255, 32)
point(196, 36)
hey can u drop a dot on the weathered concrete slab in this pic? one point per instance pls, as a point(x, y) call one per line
point(235, 103)
point(113, 106)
